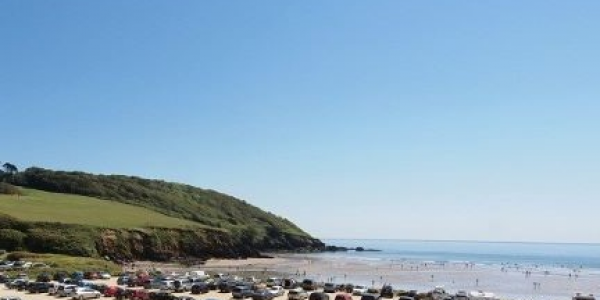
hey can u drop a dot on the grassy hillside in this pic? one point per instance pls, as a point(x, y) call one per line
point(194, 206)
point(40, 206)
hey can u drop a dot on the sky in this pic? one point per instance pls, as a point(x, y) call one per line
point(450, 120)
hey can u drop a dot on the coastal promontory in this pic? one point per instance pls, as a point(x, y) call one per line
point(128, 217)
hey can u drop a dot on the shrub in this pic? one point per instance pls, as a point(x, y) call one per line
point(11, 239)
point(9, 189)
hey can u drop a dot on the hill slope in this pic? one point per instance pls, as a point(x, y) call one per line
point(139, 218)
point(40, 206)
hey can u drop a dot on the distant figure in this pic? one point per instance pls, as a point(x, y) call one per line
point(431, 277)
point(477, 282)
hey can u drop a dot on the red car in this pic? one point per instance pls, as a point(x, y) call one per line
point(111, 291)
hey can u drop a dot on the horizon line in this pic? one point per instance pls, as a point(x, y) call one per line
point(464, 241)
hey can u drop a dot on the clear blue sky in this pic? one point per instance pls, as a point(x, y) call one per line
point(474, 120)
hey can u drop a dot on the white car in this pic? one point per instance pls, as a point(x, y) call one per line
point(276, 290)
point(105, 275)
point(85, 293)
point(359, 290)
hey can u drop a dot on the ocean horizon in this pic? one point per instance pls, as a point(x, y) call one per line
point(550, 254)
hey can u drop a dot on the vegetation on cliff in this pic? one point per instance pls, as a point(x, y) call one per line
point(84, 214)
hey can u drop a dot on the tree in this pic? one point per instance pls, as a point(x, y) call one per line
point(10, 168)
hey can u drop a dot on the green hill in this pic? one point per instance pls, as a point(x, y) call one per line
point(39, 206)
point(123, 216)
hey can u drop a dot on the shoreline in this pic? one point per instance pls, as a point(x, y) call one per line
point(506, 281)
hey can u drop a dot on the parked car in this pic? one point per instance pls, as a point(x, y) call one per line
point(369, 297)
point(359, 290)
point(162, 295)
point(387, 291)
point(309, 285)
point(17, 284)
point(318, 296)
point(122, 280)
point(10, 298)
point(84, 293)
point(289, 283)
point(329, 288)
point(262, 294)
point(4, 278)
point(139, 295)
point(40, 287)
point(182, 285)
point(343, 296)
point(104, 275)
point(65, 290)
point(199, 288)
point(272, 281)
point(276, 290)
point(297, 294)
point(227, 286)
point(242, 292)
point(111, 291)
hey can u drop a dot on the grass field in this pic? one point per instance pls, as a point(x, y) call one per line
point(37, 205)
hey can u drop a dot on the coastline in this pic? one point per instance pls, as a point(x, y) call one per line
point(506, 281)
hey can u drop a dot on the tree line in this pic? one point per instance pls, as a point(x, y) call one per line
point(7, 174)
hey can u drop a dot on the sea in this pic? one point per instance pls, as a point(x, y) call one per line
point(510, 270)
point(569, 255)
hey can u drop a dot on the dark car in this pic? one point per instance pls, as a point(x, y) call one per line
point(200, 288)
point(227, 286)
point(161, 296)
point(329, 288)
point(309, 285)
point(122, 280)
point(242, 292)
point(262, 294)
point(318, 296)
point(387, 291)
point(40, 287)
point(369, 297)
point(4, 278)
point(289, 283)
point(343, 296)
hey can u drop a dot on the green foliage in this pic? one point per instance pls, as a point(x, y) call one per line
point(68, 264)
point(206, 207)
point(57, 239)
point(11, 239)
